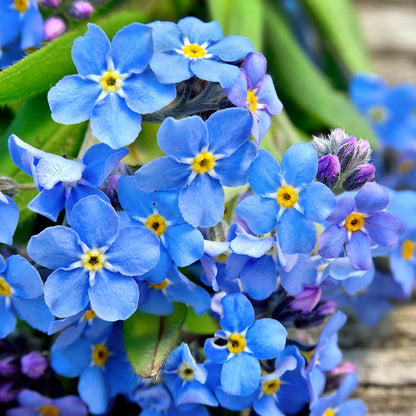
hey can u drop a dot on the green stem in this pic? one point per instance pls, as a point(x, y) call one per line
point(26, 187)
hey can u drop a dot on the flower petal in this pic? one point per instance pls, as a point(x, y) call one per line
point(359, 250)
point(371, 198)
point(317, 201)
point(264, 173)
point(238, 313)
point(216, 71)
point(332, 241)
point(384, 228)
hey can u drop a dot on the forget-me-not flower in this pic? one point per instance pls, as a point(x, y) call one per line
point(9, 210)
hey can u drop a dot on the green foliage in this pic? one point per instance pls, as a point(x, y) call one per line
point(39, 71)
point(204, 325)
point(149, 338)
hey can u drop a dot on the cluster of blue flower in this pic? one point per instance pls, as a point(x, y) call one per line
point(304, 233)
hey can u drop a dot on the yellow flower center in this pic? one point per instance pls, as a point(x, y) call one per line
point(186, 372)
point(378, 114)
point(405, 166)
point(111, 81)
point(194, 51)
point(93, 260)
point(49, 410)
point(157, 224)
point(252, 100)
point(203, 162)
point(308, 355)
point(329, 412)
point(21, 5)
point(236, 343)
point(270, 387)
point(354, 221)
point(100, 354)
point(287, 196)
point(159, 286)
point(4, 288)
point(89, 315)
point(408, 249)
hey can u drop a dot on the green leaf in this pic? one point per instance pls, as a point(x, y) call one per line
point(238, 17)
point(39, 71)
point(203, 325)
point(338, 24)
point(304, 90)
point(149, 338)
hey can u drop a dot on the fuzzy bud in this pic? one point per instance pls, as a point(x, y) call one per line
point(360, 175)
point(347, 151)
point(307, 299)
point(329, 170)
point(80, 10)
point(8, 187)
point(34, 364)
point(53, 4)
point(53, 27)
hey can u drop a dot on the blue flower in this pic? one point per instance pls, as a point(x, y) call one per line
point(357, 222)
point(157, 401)
point(9, 210)
point(287, 199)
point(336, 404)
point(21, 295)
point(193, 47)
point(186, 379)
point(255, 91)
point(158, 298)
point(389, 109)
point(160, 213)
point(60, 181)
point(20, 17)
point(101, 363)
point(32, 403)
point(242, 343)
point(201, 158)
point(95, 261)
point(114, 85)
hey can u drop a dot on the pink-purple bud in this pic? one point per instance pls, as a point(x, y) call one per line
point(347, 151)
point(307, 299)
point(34, 364)
point(53, 4)
point(7, 393)
point(53, 27)
point(81, 10)
point(329, 170)
point(364, 146)
point(8, 366)
point(328, 307)
point(338, 374)
point(360, 175)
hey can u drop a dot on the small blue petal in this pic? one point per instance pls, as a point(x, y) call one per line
point(32, 29)
point(359, 250)
point(371, 198)
point(251, 245)
point(8, 320)
point(231, 48)
point(263, 174)
point(216, 71)
point(34, 312)
point(162, 64)
point(343, 208)
point(94, 390)
point(302, 274)
point(332, 241)
point(135, 201)
point(317, 201)
point(9, 210)
point(9, 25)
point(384, 228)
point(238, 313)
point(71, 361)
point(166, 37)
point(49, 202)
point(198, 31)
point(299, 164)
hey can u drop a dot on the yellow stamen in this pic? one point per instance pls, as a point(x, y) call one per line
point(100, 354)
point(194, 51)
point(236, 343)
point(378, 114)
point(408, 249)
point(157, 224)
point(111, 81)
point(354, 221)
point(405, 166)
point(49, 410)
point(252, 100)
point(203, 162)
point(329, 412)
point(186, 372)
point(159, 286)
point(270, 387)
point(308, 355)
point(4, 288)
point(287, 196)
point(21, 5)
point(93, 260)
point(89, 315)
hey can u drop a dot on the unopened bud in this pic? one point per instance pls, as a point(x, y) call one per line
point(8, 186)
point(307, 299)
point(53, 27)
point(347, 151)
point(328, 307)
point(8, 366)
point(80, 10)
point(34, 364)
point(53, 4)
point(7, 393)
point(329, 170)
point(360, 175)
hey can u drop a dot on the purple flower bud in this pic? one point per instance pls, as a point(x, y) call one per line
point(81, 10)
point(8, 367)
point(53, 4)
point(34, 364)
point(307, 299)
point(7, 393)
point(360, 175)
point(329, 170)
point(53, 27)
point(364, 146)
point(328, 307)
point(347, 151)
point(344, 368)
